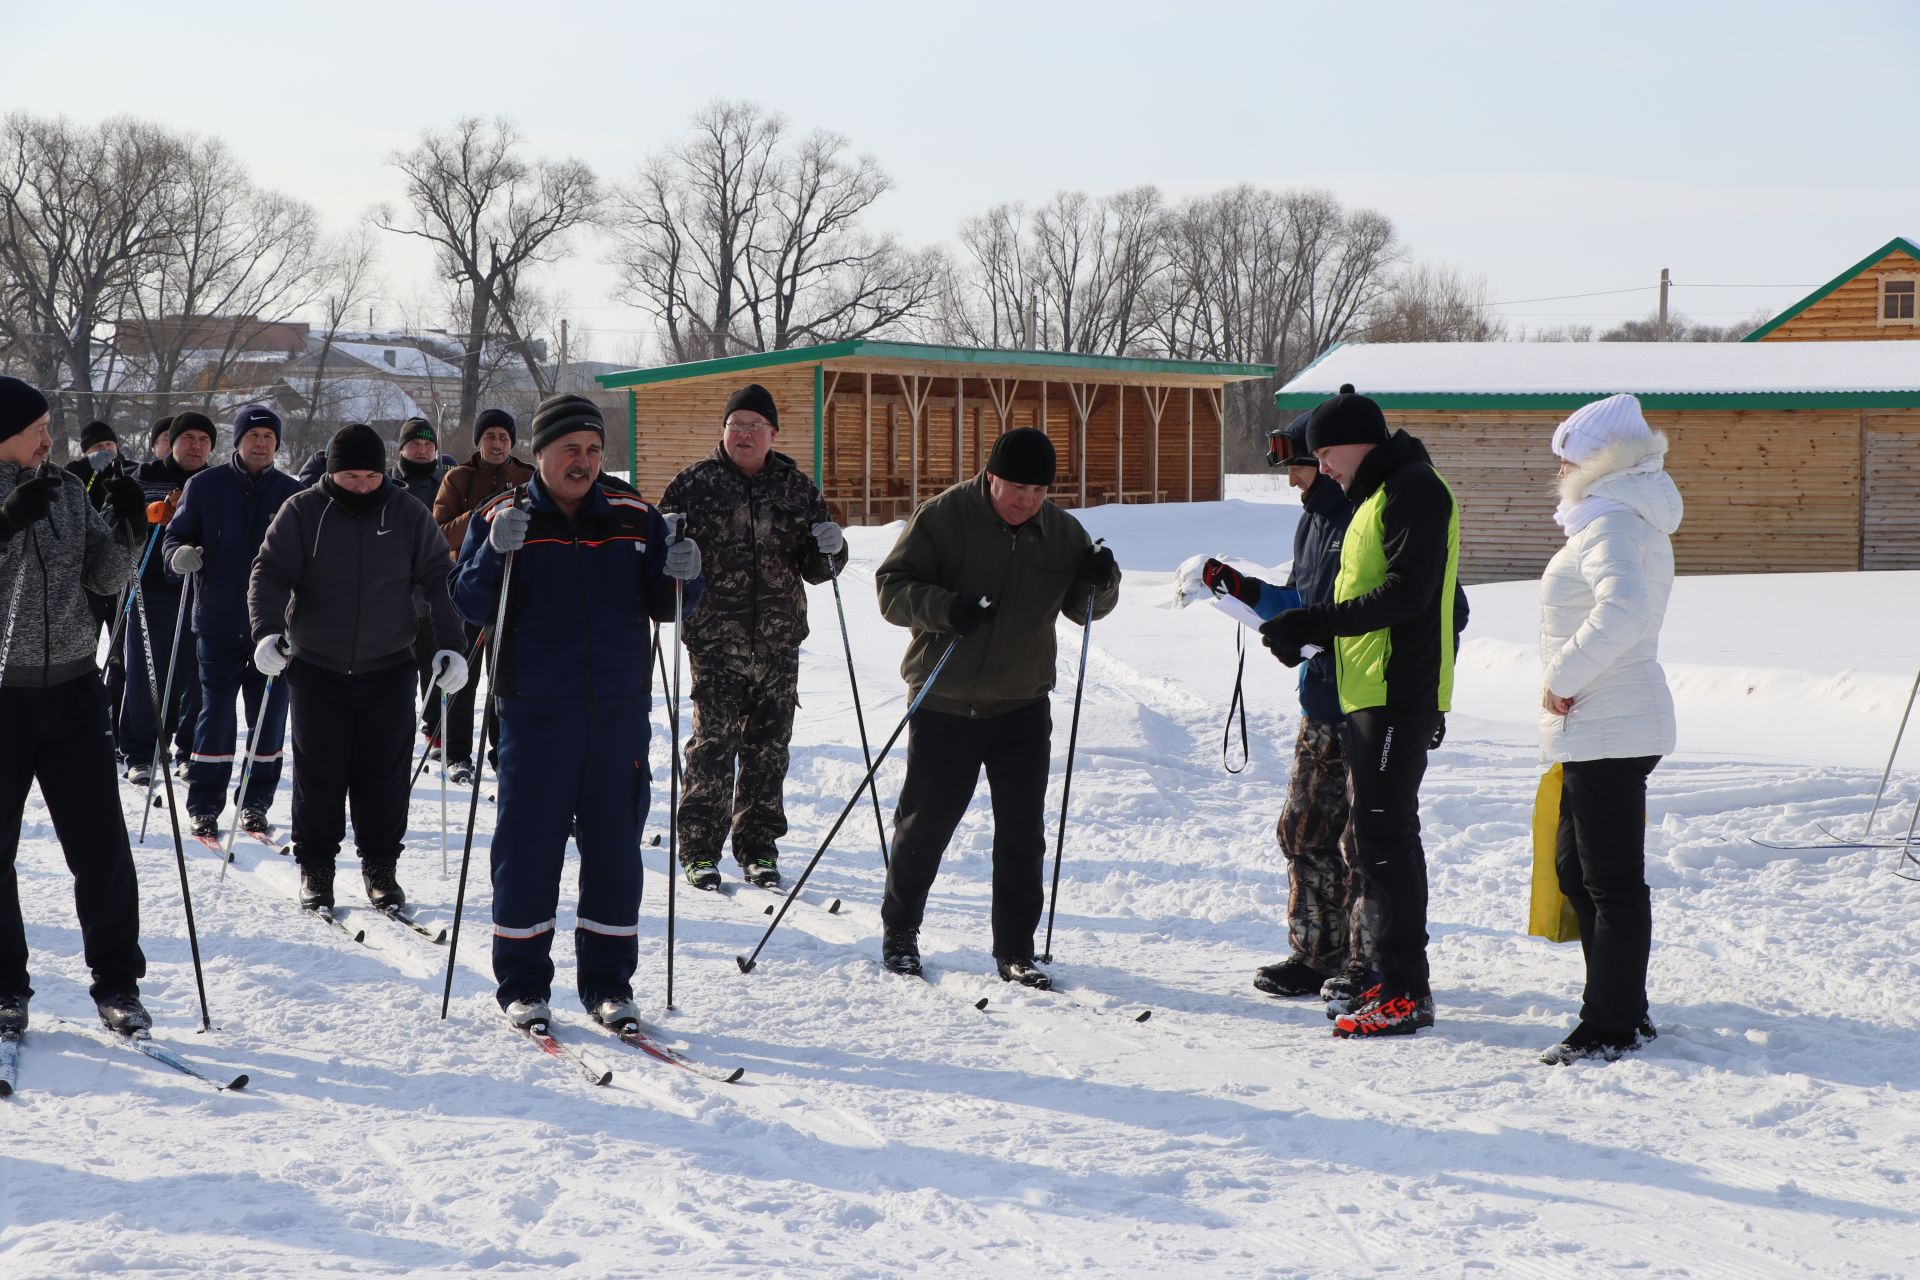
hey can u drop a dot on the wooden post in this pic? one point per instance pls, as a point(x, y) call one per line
point(916, 393)
point(1156, 401)
point(1120, 444)
point(959, 426)
point(866, 437)
point(1189, 444)
point(1218, 398)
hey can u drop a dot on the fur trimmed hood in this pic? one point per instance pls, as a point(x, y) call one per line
point(1631, 473)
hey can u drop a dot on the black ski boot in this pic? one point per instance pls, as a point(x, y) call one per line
point(460, 774)
point(206, 827)
point(123, 1012)
point(1589, 1043)
point(761, 869)
point(1385, 1014)
point(254, 822)
point(13, 1017)
point(383, 888)
point(1291, 977)
point(140, 775)
point(316, 886)
point(703, 873)
point(900, 951)
point(1025, 973)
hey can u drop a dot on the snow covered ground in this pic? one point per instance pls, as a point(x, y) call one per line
point(886, 1127)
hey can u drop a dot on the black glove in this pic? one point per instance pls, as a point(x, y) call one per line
point(28, 502)
point(966, 613)
point(1439, 734)
point(1098, 570)
point(1225, 580)
point(1289, 631)
point(128, 500)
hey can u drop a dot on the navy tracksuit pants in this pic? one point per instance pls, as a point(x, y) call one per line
point(136, 728)
point(226, 669)
point(561, 766)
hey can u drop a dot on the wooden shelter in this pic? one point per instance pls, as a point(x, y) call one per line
point(882, 426)
point(1790, 456)
point(1875, 299)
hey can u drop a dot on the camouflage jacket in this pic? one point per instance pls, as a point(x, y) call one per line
point(756, 552)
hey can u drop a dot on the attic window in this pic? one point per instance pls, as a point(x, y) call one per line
point(393, 357)
point(1897, 299)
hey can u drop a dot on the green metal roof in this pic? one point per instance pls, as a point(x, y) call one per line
point(1522, 402)
point(1899, 244)
point(870, 350)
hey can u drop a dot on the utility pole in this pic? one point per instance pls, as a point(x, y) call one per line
point(1665, 284)
point(561, 384)
point(1030, 339)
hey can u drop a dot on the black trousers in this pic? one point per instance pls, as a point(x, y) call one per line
point(423, 650)
point(945, 754)
point(352, 739)
point(1386, 760)
point(1600, 857)
point(460, 710)
point(59, 736)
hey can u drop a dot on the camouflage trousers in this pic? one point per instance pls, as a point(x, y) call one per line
point(1327, 923)
point(742, 719)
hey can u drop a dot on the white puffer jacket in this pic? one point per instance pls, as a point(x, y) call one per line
point(1603, 598)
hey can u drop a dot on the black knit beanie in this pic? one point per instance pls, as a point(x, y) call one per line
point(562, 415)
point(160, 427)
point(97, 433)
point(1346, 418)
point(494, 418)
point(1023, 455)
point(755, 399)
point(356, 447)
point(20, 407)
point(417, 429)
point(180, 424)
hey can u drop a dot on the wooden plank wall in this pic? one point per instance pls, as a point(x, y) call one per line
point(1891, 537)
point(679, 422)
point(1851, 313)
point(1760, 498)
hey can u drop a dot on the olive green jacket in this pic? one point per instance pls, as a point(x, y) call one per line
point(956, 543)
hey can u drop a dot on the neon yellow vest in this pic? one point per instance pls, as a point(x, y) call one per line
point(1360, 662)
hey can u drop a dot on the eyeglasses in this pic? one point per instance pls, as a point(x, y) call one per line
point(748, 428)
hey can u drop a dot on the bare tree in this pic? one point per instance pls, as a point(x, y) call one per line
point(348, 285)
point(1681, 329)
point(986, 300)
point(83, 211)
point(237, 260)
point(1435, 304)
point(491, 216)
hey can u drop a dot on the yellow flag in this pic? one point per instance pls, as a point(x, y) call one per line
point(1549, 914)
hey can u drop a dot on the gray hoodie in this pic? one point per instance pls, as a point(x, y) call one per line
point(53, 563)
point(340, 583)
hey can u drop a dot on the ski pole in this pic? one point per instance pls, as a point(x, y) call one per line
point(1066, 787)
point(162, 757)
point(473, 657)
point(125, 608)
point(1888, 772)
point(747, 962)
point(473, 803)
point(676, 526)
point(173, 815)
point(246, 769)
point(444, 872)
point(859, 718)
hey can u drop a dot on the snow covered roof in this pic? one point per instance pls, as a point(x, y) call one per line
point(406, 362)
point(1669, 375)
point(367, 400)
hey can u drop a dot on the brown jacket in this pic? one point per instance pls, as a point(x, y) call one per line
point(956, 543)
point(466, 487)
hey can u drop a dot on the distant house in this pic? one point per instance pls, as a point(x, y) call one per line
point(1790, 455)
point(1872, 300)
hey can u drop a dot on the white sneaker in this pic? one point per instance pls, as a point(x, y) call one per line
point(529, 1013)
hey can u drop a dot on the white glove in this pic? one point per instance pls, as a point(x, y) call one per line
point(186, 560)
point(683, 560)
point(827, 536)
point(270, 655)
point(507, 530)
point(449, 671)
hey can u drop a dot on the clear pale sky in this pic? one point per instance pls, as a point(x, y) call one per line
point(1554, 149)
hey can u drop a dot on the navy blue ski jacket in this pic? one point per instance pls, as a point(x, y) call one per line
point(225, 512)
point(583, 595)
point(1325, 512)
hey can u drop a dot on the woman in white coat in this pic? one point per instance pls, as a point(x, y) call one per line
point(1607, 713)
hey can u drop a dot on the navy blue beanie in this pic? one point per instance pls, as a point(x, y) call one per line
point(255, 415)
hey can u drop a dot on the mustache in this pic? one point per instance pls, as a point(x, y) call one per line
point(579, 473)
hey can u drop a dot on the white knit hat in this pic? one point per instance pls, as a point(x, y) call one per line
point(1594, 427)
